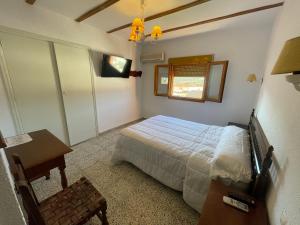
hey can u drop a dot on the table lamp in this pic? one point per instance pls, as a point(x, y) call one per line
point(289, 62)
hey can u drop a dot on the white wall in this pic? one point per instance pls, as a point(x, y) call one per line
point(278, 111)
point(9, 203)
point(118, 100)
point(245, 48)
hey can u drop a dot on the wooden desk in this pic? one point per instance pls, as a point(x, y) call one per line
point(44, 153)
point(215, 212)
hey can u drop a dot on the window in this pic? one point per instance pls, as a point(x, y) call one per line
point(193, 82)
point(216, 81)
point(161, 80)
point(188, 81)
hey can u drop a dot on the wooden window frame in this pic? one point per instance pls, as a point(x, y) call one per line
point(156, 79)
point(171, 77)
point(222, 83)
point(206, 84)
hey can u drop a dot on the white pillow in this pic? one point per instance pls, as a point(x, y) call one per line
point(232, 156)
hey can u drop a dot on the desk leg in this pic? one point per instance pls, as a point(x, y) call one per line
point(64, 182)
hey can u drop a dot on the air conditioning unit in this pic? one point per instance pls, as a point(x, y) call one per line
point(153, 58)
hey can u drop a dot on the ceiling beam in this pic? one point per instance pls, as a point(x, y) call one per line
point(164, 13)
point(223, 17)
point(31, 2)
point(96, 9)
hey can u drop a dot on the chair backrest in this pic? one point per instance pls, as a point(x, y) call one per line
point(2, 141)
point(29, 198)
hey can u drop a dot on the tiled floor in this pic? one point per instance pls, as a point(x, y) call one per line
point(133, 197)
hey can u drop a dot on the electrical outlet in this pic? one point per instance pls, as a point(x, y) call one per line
point(284, 218)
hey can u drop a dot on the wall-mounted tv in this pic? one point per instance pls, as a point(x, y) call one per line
point(115, 66)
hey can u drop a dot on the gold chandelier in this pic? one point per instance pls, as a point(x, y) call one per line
point(138, 28)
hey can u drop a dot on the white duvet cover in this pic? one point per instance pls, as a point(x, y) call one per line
point(176, 152)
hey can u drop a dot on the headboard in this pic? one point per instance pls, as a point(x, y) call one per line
point(261, 158)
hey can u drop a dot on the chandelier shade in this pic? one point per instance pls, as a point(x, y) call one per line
point(138, 25)
point(138, 22)
point(156, 32)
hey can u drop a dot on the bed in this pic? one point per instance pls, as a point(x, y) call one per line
point(185, 155)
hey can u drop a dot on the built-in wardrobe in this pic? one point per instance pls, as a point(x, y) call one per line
point(49, 85)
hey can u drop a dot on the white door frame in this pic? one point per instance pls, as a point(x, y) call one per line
point(94, 91)
point(10, 92)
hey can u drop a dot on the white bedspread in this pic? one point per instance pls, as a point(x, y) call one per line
point(176, 152)
point(161, 146)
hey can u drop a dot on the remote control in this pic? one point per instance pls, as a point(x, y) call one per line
point(242, 198)
point(235, 203)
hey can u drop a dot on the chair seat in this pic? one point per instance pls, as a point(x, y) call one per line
point(74, 205)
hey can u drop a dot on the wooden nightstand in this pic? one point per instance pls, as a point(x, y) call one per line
point(216, 212)
point(244, 126)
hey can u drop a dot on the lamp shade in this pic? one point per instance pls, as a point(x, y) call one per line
point(156, 32)
point(251, 78)
point(289, 58)
point(137, 22)
point(138, 25)
point(133, 36)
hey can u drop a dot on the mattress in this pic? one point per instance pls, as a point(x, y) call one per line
point(161, 146)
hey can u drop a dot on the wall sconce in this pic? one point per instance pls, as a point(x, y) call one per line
point(289, 62)
point(251, 78)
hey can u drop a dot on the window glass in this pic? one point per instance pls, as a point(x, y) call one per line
point(164, 80)
point(188, 81)
point(188, 87)
point(161, 80)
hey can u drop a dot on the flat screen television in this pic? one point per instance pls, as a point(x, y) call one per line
point(115, 66)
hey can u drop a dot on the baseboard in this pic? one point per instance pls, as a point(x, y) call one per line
point(122, 126)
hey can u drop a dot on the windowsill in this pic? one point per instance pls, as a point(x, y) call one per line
point(187, 99)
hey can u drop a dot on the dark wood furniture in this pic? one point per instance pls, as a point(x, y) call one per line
point(215, 212)
point(44, 153)
point(75, 205)
point(2, 141)
point(135, 73)
point(243, 126)
point(261, 159)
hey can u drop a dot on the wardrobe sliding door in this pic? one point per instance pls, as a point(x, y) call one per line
point(74, 70)
point(32, 85)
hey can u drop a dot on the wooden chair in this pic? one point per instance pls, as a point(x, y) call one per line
point(75, 205)
point(2, 141)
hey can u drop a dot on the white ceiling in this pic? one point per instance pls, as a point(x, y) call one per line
point(125, 11)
